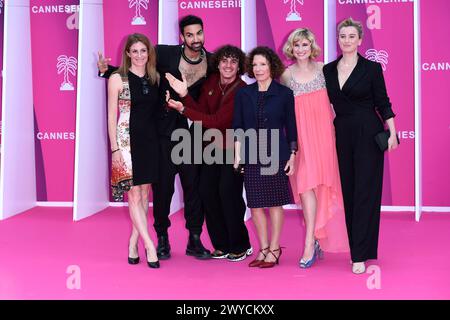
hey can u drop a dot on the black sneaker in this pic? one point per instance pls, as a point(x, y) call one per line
point(240, 256)
point(218, 254)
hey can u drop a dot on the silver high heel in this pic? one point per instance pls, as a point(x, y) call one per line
point(317, 254)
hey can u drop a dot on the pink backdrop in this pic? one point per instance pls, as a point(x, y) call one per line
point(389, 35)
point(54, 40)
point(435, 102)
point(2, 9)
point(120, 20)
point(388, 30)
point(276, 20)
point(221, 20)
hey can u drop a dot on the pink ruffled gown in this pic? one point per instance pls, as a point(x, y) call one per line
point(316, 165)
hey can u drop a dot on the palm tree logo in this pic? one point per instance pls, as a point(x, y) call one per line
point(1, 5)
point(67, 65)
point(138, 19)
point(378, 56)
point(293, 14)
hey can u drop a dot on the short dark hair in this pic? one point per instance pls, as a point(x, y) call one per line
point(276, 66)
point(189, 20)
point(229, 51)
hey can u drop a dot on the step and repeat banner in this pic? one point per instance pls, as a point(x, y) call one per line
point(221, 20)
point(388, 39)
point(54, 43)
point(435, 102)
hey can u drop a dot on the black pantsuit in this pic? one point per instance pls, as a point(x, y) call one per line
point(358, 106)
point(221, 192)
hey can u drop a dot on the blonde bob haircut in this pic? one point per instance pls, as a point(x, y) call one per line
point(349, 22)
point(296, 35)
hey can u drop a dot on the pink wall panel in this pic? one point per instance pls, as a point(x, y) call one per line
point(435, 102)
point(221, 20)
point(276, 20)
point(120, 20)
point(54, 40)
point(389, 38)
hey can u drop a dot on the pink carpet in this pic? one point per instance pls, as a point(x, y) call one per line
point(38, 246)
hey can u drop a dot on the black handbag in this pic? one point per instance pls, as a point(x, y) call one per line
point(382, 138)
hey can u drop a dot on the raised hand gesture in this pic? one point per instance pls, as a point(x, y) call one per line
point(178, 86)
point(102, 63)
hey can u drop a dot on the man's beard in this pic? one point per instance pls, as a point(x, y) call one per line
point(195, 49)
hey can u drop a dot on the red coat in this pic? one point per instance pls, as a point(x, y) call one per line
point(209, 109)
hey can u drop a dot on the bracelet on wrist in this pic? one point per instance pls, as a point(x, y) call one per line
point(115, 150)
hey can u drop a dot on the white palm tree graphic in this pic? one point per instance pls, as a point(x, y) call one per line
point(67, 65)
point(1, 5)
point(293, 15)
point(138, 18)
point(378, 56)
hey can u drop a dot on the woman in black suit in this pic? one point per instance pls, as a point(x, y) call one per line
point(266, 107)
point(358, 93)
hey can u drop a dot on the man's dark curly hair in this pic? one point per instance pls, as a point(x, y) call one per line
point(189, 20)
point(276, 66)
point(228, 51)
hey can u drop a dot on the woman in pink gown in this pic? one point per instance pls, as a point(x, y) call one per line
point(316, 180)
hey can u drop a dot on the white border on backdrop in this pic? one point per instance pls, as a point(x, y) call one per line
point(18, 173)
point(417, 115)
point(91, 177)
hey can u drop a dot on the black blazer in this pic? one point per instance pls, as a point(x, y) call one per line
point(168, 60)
point(363, 92)
point(279, 113)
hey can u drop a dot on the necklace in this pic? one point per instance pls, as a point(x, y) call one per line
point(223, 90)
point(200, 59)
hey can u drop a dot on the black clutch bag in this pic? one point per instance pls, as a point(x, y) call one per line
point(382, 139)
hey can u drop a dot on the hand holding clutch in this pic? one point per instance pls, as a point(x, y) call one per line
point(382, 139)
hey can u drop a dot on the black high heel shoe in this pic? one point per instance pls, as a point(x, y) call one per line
point(133, 260)
point(154, 265)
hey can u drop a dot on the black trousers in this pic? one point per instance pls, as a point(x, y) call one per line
point(163, 191)
point(221, 194)
point(361, 171)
